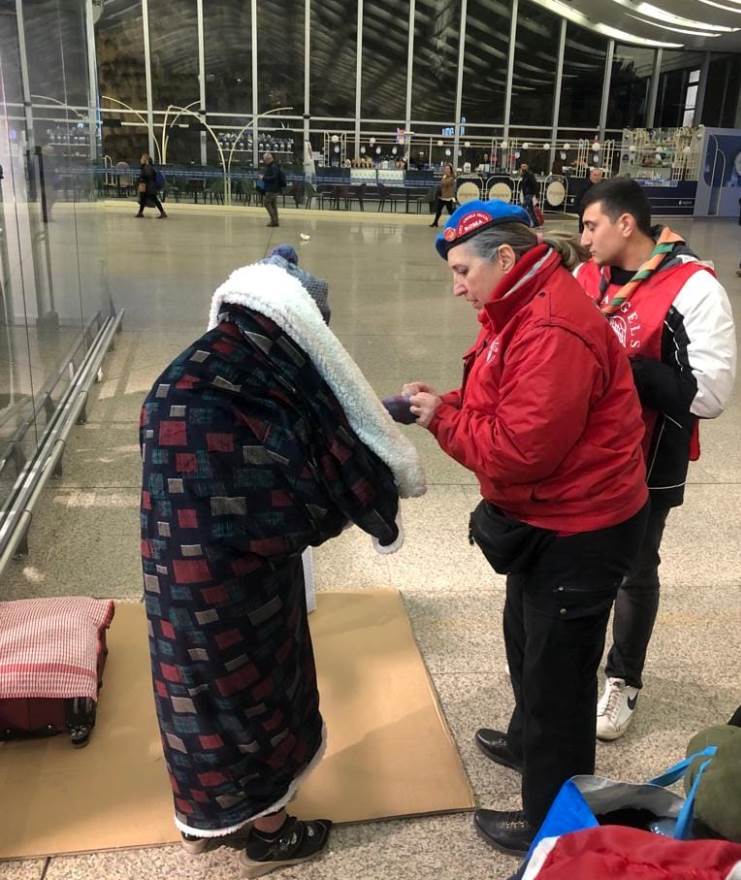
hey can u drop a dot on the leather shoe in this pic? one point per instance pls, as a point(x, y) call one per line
point(507, 831)
point(493, 743)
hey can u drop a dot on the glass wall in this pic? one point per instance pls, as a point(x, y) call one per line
point(333, 68)
point(673, 82)
point(721, 93)
point(227, 36)
point(584, 62)
point(630, 83)
point(334, 34)
point(52, 285)
point(280, 55)
point(173, 40)
point(485, 65)
point(536, 64)
point(436, 38)
point(121, 80)
point(385, 50)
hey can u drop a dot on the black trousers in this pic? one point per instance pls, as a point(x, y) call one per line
point(270, 202)
point(443, 203)
point(555, 619)
point(149, 201)
point(636, 606)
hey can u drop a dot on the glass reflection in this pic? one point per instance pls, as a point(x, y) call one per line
point(436, 38)
point(585, 57)
point(536, 62)
point(485, 70)
point(334, 29)
point(51, 257)
point(385, 48)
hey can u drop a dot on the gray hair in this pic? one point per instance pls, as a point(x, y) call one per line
point(522, 239)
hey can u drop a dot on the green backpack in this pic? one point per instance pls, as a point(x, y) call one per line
point(718, 801)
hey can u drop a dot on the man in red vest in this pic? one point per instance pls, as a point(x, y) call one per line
point(674, 319)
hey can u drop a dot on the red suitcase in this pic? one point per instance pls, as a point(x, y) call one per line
point(23, 716)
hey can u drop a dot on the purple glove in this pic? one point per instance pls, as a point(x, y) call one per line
point(399, 409)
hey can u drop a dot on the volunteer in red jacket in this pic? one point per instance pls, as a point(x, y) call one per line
point(673, 317)
point(548, 419)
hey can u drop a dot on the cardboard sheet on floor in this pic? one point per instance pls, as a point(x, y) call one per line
point(390, 752)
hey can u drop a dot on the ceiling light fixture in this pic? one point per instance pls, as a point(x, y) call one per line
point(676, 30)
point(579, 18)
point(648, 10)
point(721, 6)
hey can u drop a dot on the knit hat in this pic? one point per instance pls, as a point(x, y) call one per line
point(473, 217)
point(285, 251)
point(317, 289)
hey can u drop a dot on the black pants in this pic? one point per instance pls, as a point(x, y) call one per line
point(555, 619)
point(443, 203)
point(527, 204)
point(270, 201)
point(149, 201)
point(636, 606)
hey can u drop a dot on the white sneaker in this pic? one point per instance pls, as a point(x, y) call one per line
point(615, 709)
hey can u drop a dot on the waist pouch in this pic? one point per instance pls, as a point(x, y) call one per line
point(509, 545)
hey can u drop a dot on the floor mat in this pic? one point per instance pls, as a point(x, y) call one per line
point(390, 752)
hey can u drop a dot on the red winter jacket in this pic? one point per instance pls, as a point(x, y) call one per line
point(548, 417)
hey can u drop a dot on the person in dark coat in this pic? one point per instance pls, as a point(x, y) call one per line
point(529, 191)
point(148, 189)
point(273, 181)
point(261, 439)
point(595, 177)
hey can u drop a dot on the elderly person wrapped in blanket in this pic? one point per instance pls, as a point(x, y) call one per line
point(260, 439)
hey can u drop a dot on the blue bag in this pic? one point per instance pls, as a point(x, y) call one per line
point(582, 798)
point(160, 180)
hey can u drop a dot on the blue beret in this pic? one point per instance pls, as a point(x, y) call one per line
point(472, 217)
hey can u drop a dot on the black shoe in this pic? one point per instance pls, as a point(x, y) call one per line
point(433, 225)
point(508, 831)
point(293, 843)
point(493, 744)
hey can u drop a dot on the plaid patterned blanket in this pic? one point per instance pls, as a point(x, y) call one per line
point(49, 647)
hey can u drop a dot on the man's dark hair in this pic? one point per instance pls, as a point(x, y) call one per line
point(621, 195)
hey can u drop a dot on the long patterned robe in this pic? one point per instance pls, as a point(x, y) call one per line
point(248, 459)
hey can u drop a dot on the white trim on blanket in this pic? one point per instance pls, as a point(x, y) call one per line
point(272, 292)
point(273, 808)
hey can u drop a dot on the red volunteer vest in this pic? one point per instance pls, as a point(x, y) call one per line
point(639, 323)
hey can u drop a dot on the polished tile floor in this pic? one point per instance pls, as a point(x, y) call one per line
point(393, 310)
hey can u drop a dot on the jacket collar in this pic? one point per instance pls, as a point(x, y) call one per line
point(519, 286)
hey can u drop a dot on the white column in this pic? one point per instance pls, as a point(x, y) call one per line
point(410, 75)
point(16, 204)
point(202, 78)
point(255, 111)
point(358, 77)
point(702, 89)
point(559, 86)
point(92, 78)
point(459, 86)
point(25, 82)
point(606, 89)
point(148, 75)
point(307, 71)
point(510, 67)
point(654, 91)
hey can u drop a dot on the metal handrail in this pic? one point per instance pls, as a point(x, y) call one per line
point(44, 398)
point(27, 489)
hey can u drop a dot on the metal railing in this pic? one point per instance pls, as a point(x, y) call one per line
point(71, 409)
